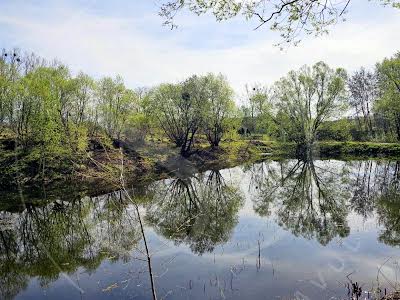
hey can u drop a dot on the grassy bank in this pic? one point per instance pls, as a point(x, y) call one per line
point(358, 150)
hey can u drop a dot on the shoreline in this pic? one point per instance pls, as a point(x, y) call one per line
point(152, 162)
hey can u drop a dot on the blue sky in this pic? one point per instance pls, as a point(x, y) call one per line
point(105, 38)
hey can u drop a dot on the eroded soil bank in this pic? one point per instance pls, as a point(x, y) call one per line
point(101, 170)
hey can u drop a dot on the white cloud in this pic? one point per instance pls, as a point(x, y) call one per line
point(101, 45)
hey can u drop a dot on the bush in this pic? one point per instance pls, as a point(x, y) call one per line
point(335, 131)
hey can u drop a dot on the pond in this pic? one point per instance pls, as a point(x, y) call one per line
point(283, 229)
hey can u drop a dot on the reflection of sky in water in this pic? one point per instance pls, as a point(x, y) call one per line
point(289, 265)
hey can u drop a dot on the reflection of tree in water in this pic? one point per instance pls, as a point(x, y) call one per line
point(371, 180)
point(388, 204)
point(376, 188)
point(313, 199)
point(12, 279)
point(61, 237)
point(362, 201)
point(389, 217)
point(309, 198)
point(199, 211)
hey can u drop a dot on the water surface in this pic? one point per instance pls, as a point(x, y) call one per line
point(273, 230)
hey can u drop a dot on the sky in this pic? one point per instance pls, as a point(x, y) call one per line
point(126, 37)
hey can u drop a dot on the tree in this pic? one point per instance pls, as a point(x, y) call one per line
point(166, 105)
point(179, 109)
point(338, 130)
point(290, 18)
point(82, 102)
point(259, 108)
point(115, 104)
point(140, 121)
point(388, 103)
point(219, 107)
point(9, 75)
point(47, 91)
point(83, 96)
point(306, 98)
point(363, 91)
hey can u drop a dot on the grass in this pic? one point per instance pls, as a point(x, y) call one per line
point(358, 149)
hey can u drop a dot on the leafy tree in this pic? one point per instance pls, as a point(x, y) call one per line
point(363, 91)
point(308, 97)
point(115, 104)
point(259, 109)
point(10, 67)
point(219, 107)
point(388, 103)
point(167, 106)
point(338, 130)
point(50, 89)
point(83, 98)
point(195, 96)
point(179, 109)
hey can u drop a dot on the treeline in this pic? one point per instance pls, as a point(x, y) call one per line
point(317, 103)
point(53, 116)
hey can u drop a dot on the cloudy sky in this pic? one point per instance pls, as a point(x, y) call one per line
point(126, 37)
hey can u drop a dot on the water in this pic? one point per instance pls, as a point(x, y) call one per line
point(273, 230)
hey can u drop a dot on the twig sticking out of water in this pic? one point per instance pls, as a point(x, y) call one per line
point(153, 289)
point(353, 288)
point(258, 265)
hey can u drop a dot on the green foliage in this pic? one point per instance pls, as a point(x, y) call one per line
point(219, 106)
point(307, 98)
point(363, 92)
point(52, 120)
point(256, 114)
point(335, 131)
point(200, 104)
point(115, 104)
point(388, 104)
point(292, 19)
point(53, 115)
point(358, 149)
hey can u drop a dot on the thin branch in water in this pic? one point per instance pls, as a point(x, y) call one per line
point(153, 290)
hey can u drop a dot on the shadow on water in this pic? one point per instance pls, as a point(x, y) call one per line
point(313, 200)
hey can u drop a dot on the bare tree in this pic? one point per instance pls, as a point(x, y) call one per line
point(363, 92)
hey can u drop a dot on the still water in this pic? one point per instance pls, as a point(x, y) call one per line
point(273, 230)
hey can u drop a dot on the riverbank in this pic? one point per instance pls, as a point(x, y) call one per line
point(358, 150)
point(102, 164)
point(158, 159)
point(100, 170)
